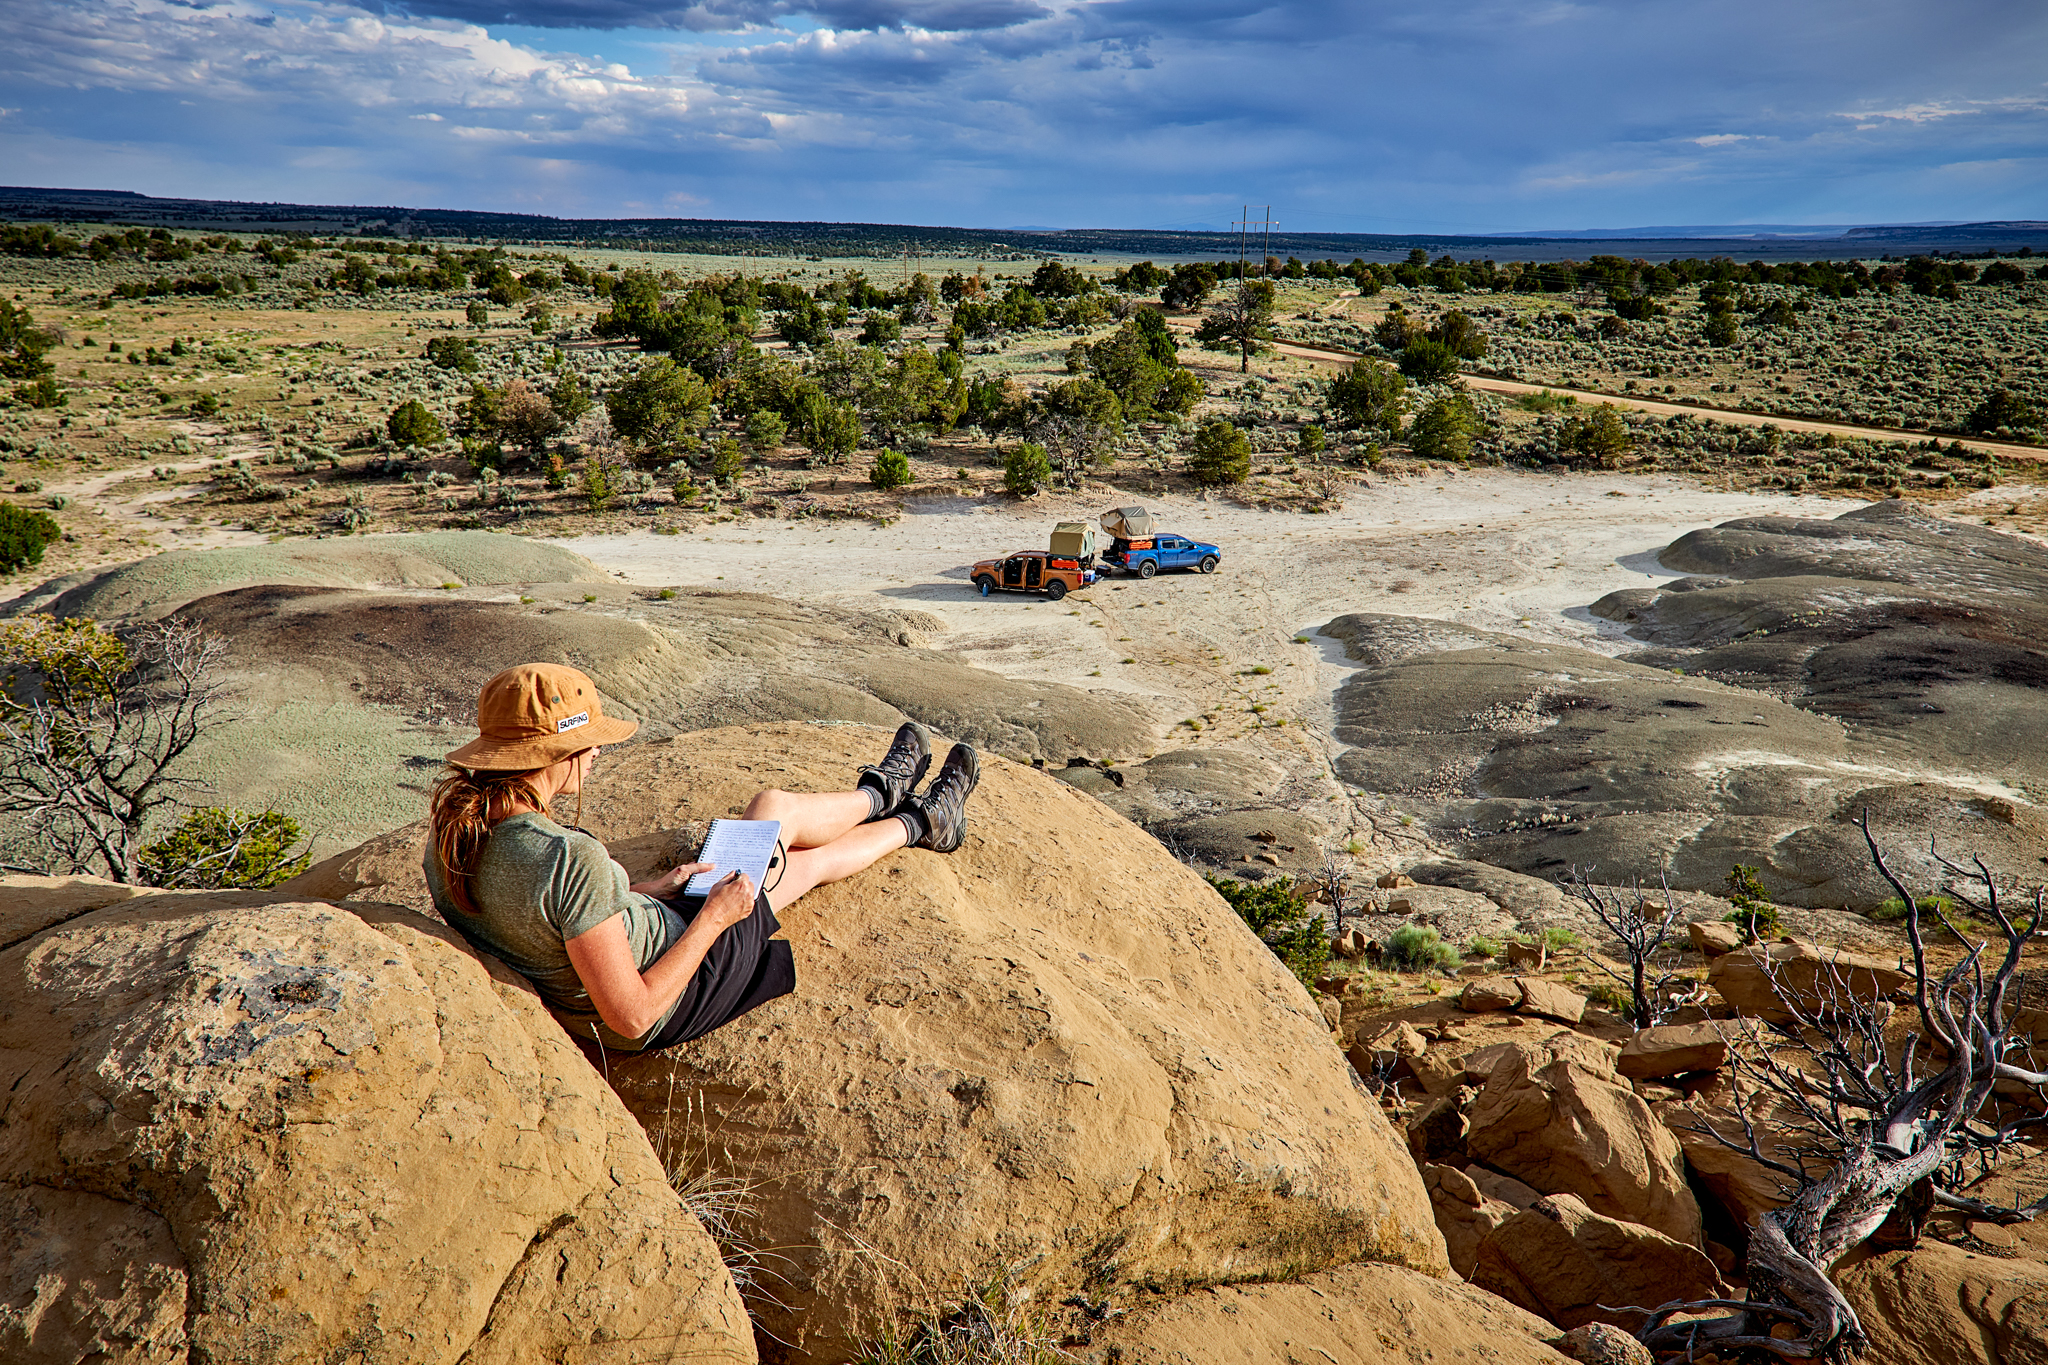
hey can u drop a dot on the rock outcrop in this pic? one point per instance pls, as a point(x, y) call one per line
point(1884, 662)
point(243, 1127)
point(1939, 1304)
point(1054, 1054)
point(1356, 1315)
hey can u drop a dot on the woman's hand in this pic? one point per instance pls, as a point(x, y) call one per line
point(670, 883)
point(731, 900)
point(631, 1001)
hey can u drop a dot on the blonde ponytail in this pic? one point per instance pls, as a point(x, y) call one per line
point(467, 805)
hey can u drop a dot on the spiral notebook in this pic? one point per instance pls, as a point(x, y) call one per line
point(736, 846)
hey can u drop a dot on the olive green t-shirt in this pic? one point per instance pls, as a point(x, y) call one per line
point(538, 885)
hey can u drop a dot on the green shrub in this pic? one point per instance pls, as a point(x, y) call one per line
point(1419, 948)
point(727, 459)
point(453, 353)
point(1280, 914)
point(890, 470)
point(1444, 429)
point(1369, 397)
point(24, 534)
point(1479, 945)
point(218, 847)
point(1753, 909)
point(411, 424)
point(1428, 362)
point(1893, 911)
point(1027, 470)
point(1221, 454)
point(41, 393)
point(765, 429)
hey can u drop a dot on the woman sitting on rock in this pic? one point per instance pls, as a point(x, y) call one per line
point(630, 965)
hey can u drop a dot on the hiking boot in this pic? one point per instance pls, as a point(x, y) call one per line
point(944, 803)
point(898, 774)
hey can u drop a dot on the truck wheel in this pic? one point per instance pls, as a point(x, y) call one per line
point(1056, 589)
point(1147, 567)
point(986, 584)
point(1208, 563)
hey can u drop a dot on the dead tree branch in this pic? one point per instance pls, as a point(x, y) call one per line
point(1863, 1118)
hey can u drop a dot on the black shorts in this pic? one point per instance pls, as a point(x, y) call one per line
point(745, 968)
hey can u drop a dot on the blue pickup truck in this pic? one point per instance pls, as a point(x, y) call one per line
point(1163, 551)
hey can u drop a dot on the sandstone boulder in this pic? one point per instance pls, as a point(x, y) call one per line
point(1712, 938)
point(1763, 979)
point(1463, 1214)
point(1672, 1050)
point(1488, 994)
point(1939, 1304)
point(1565, 1130)
point(245, 1127)
point(1003, 1060)
point(1549, 1000)
point(1436, 1133)
point(1505, 1188)
point(1355, 1315)
point(1564, 1261)
point(1600, 1343)
point(1743, 1187)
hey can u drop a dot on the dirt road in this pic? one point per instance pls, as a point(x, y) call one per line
point(2003, 450)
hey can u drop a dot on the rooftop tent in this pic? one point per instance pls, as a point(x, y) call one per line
point(1128, 523)
point(1076, 538)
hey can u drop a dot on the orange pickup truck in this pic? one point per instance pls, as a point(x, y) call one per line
point(1032, 571)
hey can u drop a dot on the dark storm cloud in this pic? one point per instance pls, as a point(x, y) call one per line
point(729, 16)
point(1388, 116)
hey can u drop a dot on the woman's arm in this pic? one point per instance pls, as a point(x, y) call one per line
point(631, 1001)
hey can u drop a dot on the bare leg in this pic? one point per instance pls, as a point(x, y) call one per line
point(860, 847)
point(810, 820)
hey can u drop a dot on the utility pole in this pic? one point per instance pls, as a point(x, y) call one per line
point(1244, 226)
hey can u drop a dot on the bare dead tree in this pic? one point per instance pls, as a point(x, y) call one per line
point(92, 725)
point(1647, 938)
point(1863, 1119)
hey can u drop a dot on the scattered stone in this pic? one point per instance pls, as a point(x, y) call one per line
point(1489, 994)
point(1601, 1343)
point(1563, 1129)
point(1349, 945)
point(1529, 955)
point(1523, 897)
point(1391, 881)
point(1561, 1259)
point(1550, 1000)
point(1711, 938)
point(1672, 1050)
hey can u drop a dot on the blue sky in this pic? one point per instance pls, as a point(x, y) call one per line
point(1404, 115)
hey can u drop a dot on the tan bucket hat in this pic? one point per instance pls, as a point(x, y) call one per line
point(537, 714)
